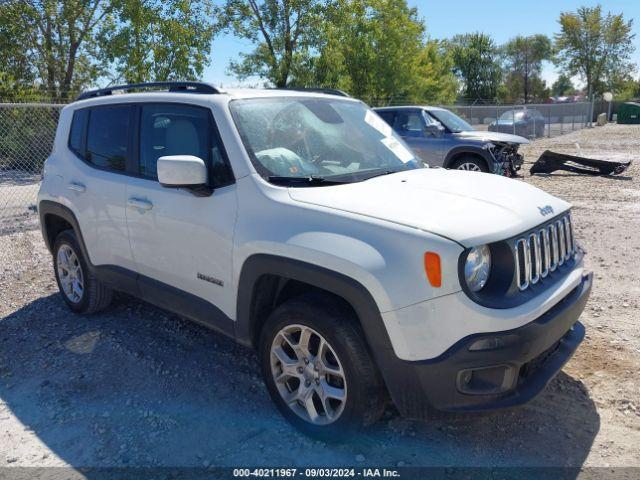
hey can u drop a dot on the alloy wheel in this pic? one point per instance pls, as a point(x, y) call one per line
point(308, 374)
point(70, 273)
point(469, 166)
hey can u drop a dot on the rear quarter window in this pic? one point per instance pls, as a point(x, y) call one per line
point(77, 132)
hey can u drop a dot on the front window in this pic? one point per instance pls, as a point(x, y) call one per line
point(453, 122)
point(321, 140)
point(511, 115)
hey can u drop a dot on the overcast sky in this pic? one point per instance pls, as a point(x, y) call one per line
point(502, 19)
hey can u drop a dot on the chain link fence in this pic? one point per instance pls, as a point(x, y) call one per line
point(531, 120)
point(27, 131)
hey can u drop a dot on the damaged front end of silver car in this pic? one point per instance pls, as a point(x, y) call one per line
point(507, 159)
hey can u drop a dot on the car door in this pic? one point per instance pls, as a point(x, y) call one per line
point(95, 180)
point(182, 242)
point(410, 124)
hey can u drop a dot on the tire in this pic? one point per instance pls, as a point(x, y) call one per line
point(87, 294)
point(472, 164)
point(359, 384)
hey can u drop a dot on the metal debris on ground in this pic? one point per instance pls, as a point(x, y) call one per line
point(551, 161)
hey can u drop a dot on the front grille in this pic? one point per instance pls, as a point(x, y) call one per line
point(542, 251)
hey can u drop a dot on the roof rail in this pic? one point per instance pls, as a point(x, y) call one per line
point(181, 87)
point(328, 91)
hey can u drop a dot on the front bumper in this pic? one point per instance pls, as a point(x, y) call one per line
point(514, 366)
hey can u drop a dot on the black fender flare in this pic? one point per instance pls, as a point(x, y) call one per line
point(339, 284)
point(47, 207)
point(466, 149)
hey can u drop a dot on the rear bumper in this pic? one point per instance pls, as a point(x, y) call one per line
point(494, 370)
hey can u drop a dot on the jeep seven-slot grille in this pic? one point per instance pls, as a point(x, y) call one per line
point(542, 251)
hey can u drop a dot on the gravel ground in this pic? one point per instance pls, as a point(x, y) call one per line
point(135, 386)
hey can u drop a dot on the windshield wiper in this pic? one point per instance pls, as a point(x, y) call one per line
point(385, 172)
point(311, 180)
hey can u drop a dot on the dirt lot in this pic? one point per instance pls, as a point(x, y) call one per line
point(135, 386)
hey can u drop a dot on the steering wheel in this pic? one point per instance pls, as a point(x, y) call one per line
point(290, 133)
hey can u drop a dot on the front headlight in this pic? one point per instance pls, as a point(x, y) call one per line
point(477, 267)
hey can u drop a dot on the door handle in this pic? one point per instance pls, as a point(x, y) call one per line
point(139, 203)
point(77, 187)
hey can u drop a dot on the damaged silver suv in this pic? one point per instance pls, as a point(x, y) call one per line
point(443, 139)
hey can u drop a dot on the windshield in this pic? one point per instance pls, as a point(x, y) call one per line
point(325, 140)
point(511, 115)
point(450, 120)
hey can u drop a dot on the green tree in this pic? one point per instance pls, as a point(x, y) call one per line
point(55, 43)
point(372, 48)
point(523, 63)
point(155, 40)
point(376, 50)
point(510, 90)
point(284, 32)
point(438, 82)
point(594, 46)
point(17, 72)
point(476, 62)
point(624, 87)
point(563, 86)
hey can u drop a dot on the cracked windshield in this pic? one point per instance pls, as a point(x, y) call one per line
point(333, 141)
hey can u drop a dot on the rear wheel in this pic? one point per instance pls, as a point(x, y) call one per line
point(317, 368)
point(81, 291)
point(470, 164)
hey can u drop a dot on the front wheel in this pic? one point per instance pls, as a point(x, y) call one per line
point(470, 164)
point(317, 368)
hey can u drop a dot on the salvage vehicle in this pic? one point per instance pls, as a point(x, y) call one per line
point(443, 139)
point(301, 225)
point(527, 123)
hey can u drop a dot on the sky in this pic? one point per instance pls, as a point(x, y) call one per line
point(502, 19)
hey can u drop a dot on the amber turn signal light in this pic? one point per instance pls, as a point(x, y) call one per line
point(432, 268)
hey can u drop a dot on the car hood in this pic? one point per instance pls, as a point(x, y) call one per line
point(493, 137)
point(470, 208)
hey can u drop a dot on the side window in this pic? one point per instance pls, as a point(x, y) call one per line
point(387, 116)
point(410, 124)
point(179, 130)
point(77, 132)
point(108, 137)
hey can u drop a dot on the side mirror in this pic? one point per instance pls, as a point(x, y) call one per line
point(434, 130)
point(187, 171)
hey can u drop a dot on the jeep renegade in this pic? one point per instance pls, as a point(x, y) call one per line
point(299, 224)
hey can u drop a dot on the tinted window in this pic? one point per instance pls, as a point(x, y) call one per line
point(387, 116)
point(108, 137)
point(76, 134)
point(410, 124)
point(179, 130)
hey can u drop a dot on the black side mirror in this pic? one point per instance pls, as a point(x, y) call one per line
point(434, 130)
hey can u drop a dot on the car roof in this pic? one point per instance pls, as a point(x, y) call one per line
point(429, 108)
point(223, 96)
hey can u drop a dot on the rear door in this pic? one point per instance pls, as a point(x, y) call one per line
point(181, 242)
point(95, 181)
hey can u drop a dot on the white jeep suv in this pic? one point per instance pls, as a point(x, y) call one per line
point(299, 224)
